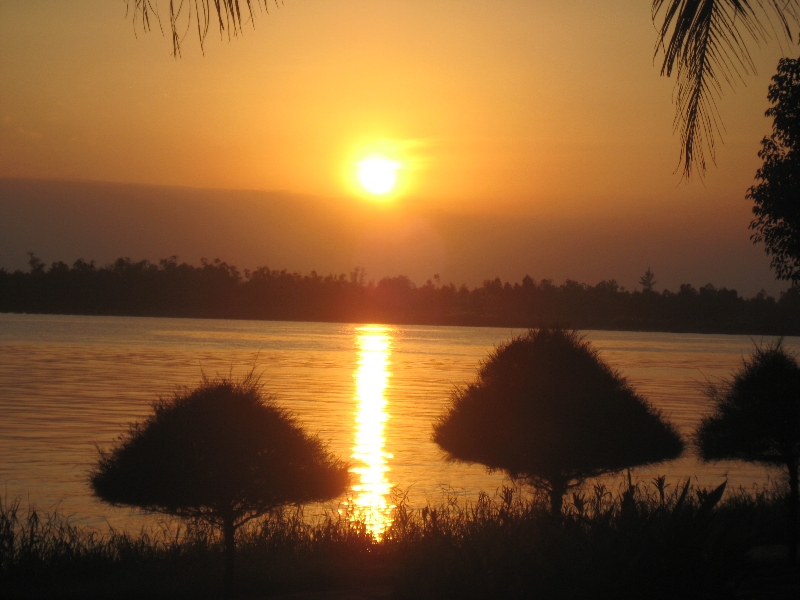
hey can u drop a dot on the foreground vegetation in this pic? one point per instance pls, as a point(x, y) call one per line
point(218, 290)
point(652, 540)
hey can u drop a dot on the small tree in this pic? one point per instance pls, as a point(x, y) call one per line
point(547, 409)
point(648, 281)
point(223, 453)
point(756, 418)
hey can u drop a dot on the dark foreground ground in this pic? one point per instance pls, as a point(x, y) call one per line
point(625, 543)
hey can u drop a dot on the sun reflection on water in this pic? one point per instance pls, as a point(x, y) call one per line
point(371, 492)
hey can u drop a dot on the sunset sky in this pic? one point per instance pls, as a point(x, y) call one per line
point(531, 137)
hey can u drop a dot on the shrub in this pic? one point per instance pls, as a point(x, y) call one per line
point(547, 409)
point(223, 453)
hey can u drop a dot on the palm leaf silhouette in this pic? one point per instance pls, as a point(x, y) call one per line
point(706, 43)
point(230, 16)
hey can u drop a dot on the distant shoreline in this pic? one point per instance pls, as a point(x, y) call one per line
point(216, 290)
point(415, 324)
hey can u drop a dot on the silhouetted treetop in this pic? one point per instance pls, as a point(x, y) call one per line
point(776, 198)
point(648, 281)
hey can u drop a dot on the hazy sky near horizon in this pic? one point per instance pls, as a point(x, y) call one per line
point(547, 110)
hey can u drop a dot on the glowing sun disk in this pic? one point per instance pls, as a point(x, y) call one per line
point(377, 175)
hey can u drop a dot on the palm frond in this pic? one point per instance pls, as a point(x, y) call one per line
point(231, 17)
point(706, 43)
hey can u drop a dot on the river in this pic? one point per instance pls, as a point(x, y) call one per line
point(371, 391)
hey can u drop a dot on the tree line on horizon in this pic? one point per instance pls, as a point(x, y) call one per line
point(216, 289)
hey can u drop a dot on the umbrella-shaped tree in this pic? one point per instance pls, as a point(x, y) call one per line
point(548, 410)
point(756, 418)
point(223, 453)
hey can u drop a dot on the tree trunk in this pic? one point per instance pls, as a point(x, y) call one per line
point(228, 534)
point(557, 491)
point(794, 509)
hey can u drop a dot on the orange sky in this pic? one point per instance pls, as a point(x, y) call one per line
point(547, 109)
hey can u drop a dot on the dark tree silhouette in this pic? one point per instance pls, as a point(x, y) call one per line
point(706, 43)
point(756, 418)
point(547, 409)
point(648, 281)
point(777, 197)
point(217, 290)
point(223, 453)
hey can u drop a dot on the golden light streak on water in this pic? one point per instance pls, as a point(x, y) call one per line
point(371, 493)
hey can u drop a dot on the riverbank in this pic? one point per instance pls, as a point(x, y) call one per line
point(631, 542)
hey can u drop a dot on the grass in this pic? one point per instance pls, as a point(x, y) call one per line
point(651, 540)
point(632, 543)
point(45, 556)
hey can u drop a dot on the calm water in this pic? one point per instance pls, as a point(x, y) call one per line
point(68, 383)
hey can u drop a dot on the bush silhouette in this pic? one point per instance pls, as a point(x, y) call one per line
point(547, 409)
point(756, 418)
point(223, 453)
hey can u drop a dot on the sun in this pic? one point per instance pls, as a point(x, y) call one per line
point(377, 174)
